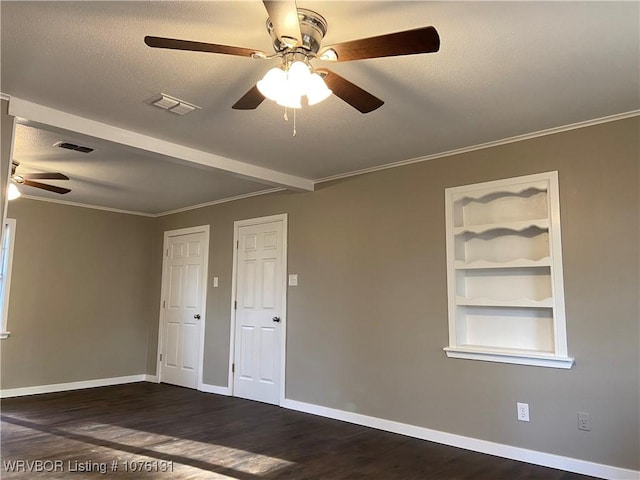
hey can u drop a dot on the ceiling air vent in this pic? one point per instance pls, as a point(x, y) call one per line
point(73, 146)
point(172, 104)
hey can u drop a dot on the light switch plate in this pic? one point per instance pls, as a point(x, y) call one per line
point(215, 282)
point(293, 280)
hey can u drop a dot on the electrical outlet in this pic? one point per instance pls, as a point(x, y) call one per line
point(523, 412)
point(584, 421)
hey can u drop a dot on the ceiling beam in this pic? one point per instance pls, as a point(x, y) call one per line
point(32, 112)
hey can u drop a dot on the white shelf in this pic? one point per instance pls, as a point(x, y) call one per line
point(504, 272)
point(518, 303)
point(504, 189)
point(517, 263)
point(519, 226)
point(521, 357)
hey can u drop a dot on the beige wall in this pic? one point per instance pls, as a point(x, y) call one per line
point(80, 292)
point(368, 321)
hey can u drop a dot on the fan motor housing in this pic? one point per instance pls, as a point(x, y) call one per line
point(313, 28)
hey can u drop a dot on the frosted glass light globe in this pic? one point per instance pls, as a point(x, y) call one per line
point(318, 90)
point(13, 192)
point(298, 77)
point(273, 83)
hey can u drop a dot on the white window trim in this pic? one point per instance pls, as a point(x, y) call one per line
point(10, 229)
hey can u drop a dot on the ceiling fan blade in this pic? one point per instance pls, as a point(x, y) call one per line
point(284, 18)
point(250, 100)
point(44, 186)
point(349, 92)
point(409, 42)
point(44, 176)
point(175, 44)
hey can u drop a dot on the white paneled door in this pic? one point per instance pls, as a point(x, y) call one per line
point(259, 311)
point(184, 278)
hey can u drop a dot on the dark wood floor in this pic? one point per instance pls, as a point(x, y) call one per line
point(159, 428)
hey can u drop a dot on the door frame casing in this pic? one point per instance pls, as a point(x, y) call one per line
point(282, 217)
point(205, 279)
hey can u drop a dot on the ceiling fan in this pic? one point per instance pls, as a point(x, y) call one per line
point(297, 35)
point(27, 179)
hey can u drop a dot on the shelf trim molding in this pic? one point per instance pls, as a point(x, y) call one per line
point(519, 185)
point(517, 263)
point(531, 359)
point(516, 303)
point(519, 226)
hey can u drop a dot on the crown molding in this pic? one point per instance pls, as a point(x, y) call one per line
point(482, 146)
point(85, 205)
point(218, 202)
point(153, 215)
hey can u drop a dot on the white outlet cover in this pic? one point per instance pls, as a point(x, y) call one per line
point(584, 421)
point(215, 282)
point(293, 280)
point(523, 412)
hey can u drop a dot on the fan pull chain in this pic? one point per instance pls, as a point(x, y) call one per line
point(286, 119)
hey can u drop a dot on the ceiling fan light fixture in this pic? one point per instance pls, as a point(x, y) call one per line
point(287, 87)
point(317, 90)
point(13, 192)
point(329, 55)
point(289, 99)
point(273, 84)
point(298, 77)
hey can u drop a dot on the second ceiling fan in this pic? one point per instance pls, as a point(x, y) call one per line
point(27, 179)
point(297, 35)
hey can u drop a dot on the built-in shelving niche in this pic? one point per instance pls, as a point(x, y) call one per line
point(504, 259)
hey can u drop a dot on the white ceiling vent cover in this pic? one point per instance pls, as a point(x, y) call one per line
point(172, 104)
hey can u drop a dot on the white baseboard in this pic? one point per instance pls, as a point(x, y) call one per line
point(203, 387)
point(101, 382)
point(506, 451)
point(63, 387)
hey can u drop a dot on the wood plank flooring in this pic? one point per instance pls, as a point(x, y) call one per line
point(151, 431)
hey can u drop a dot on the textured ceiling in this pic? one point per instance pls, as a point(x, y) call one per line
point(120, 177)
point(504, 69)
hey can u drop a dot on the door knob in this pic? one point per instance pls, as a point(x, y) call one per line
point(197, 316)
point(276, 319)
